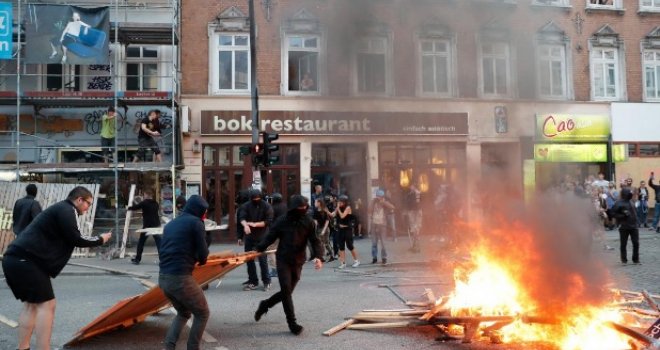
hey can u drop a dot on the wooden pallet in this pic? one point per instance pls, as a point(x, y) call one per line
point(47, 195)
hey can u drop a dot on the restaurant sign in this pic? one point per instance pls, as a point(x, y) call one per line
point(335, 123)
point(572, 128)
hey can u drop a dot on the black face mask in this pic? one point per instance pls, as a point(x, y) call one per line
point(256, 201)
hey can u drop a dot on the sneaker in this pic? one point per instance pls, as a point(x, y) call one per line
point(637, 262)
point(374, 260)
point(342, 265)
point(250, 286)
point(273, 273)
point(384, 261)
point(246, 283)
point(135, 261)
point(356, 263)
point(266, 287)
point(296, 328)
point(261, 310)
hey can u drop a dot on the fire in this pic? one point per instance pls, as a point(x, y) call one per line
point(493, 285)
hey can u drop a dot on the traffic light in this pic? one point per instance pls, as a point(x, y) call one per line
point(259, 155)
point(270, 150)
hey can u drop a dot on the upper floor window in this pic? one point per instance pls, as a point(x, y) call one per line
point(142, 68)
point(436, 64)
point(495, 69)
point(232, 59)
point(552, 2)
point(605, 73)
point(372, 66)
point(649, 5)
point(552, 72)
point(302, 57)
point(605, 4)
point(652, 74)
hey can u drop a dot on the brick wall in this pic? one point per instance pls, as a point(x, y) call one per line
point(404, 18)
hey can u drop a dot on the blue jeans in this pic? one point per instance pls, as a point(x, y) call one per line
point(642, 212)
point(656, 215)
point(187, 298)
point(378, 233)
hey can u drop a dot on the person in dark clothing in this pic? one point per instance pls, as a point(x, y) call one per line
point(25, 209)
point(255, 216)
point(656, 209)
point(184, 245)
point(294, 230)
point(149, 130)
point(40, 253)
point(624, 212)
point(150, 218)
point(279, 209)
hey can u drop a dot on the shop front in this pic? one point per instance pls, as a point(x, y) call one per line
point(569, 148)
point(351, 153)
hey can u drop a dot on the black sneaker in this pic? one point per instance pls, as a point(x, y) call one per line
point(296, 328)
point(246, 283)
point(374, 260)
point(135, 261)
point(384, 261)
point(261, 310)
point(250, 286)
point(266, 287)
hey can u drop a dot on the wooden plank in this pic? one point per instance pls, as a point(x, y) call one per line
point(115, 271)
point(382, 325)
point(339, 327)
point(127, 223)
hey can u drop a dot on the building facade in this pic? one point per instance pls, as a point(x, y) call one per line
point(368, 94)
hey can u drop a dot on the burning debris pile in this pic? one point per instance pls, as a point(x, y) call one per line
point(536, 279)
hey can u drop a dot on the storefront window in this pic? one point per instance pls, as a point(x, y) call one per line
point(236, 155)
point(223, 155)
point(387, 155)
point(405, 155)
point(209, 160)
point(289, 155)
point(648, 150)
point(335, 156)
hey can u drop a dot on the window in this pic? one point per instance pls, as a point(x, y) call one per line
point(302, 54)
point(142, 68)
point(495, 70)
point(62, 77)
point(605, 73)
point(652, 74)
point(436, 66)
point(652, 5)
point(232, 55)
point(372, 66)
point(552, 71)
point(605, 4)
point(552, 2)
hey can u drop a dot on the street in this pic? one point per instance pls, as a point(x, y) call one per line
point(323, 299)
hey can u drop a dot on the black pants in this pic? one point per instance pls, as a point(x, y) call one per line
point(140, 246)
point(288, 274)
point(634, 237)
point(250, 245)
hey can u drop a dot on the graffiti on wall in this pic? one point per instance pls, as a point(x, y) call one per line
point(94, 118)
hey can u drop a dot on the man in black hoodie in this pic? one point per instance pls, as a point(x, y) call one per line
point(294, 230)
point(25, 209)
point(255, 216)
point(182, 246)
point(40, 253)
point(624, 212)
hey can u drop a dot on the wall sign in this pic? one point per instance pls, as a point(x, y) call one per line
point(335, 123)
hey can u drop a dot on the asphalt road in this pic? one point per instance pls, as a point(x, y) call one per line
point(323, 299)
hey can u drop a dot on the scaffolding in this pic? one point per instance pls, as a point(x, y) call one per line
point(53, 132)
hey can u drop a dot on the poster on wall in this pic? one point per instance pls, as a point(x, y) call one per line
point(66, 34)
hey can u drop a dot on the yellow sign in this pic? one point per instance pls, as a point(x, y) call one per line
point(578, 153)
point(572, 127)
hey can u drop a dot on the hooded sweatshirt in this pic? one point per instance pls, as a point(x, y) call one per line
point(624, 210)
point(184, 240)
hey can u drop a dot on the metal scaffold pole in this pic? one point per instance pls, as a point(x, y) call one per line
point(115, 150)
point(18, 95)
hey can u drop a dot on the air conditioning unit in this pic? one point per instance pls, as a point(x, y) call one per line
point(185, 120)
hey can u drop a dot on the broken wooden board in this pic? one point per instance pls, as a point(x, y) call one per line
point(133, 310)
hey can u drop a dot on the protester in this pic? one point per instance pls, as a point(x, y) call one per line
point(642, 204)
point(378, 225)
point(413, 212)
point(294, 231)
point(656, 208)
point(343, 213)
point(149, 128)
point(183, 246)
point(255, 216)
point(25, 209)
point(624, 211)
point(108, 128)
point(150, 218)
point(322, 218)
point(40, 253)
point(279, 209)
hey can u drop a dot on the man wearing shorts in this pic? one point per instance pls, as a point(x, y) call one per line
point(149, 128)
point(40, 253)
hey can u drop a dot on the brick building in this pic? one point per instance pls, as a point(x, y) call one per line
point(368, 94)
